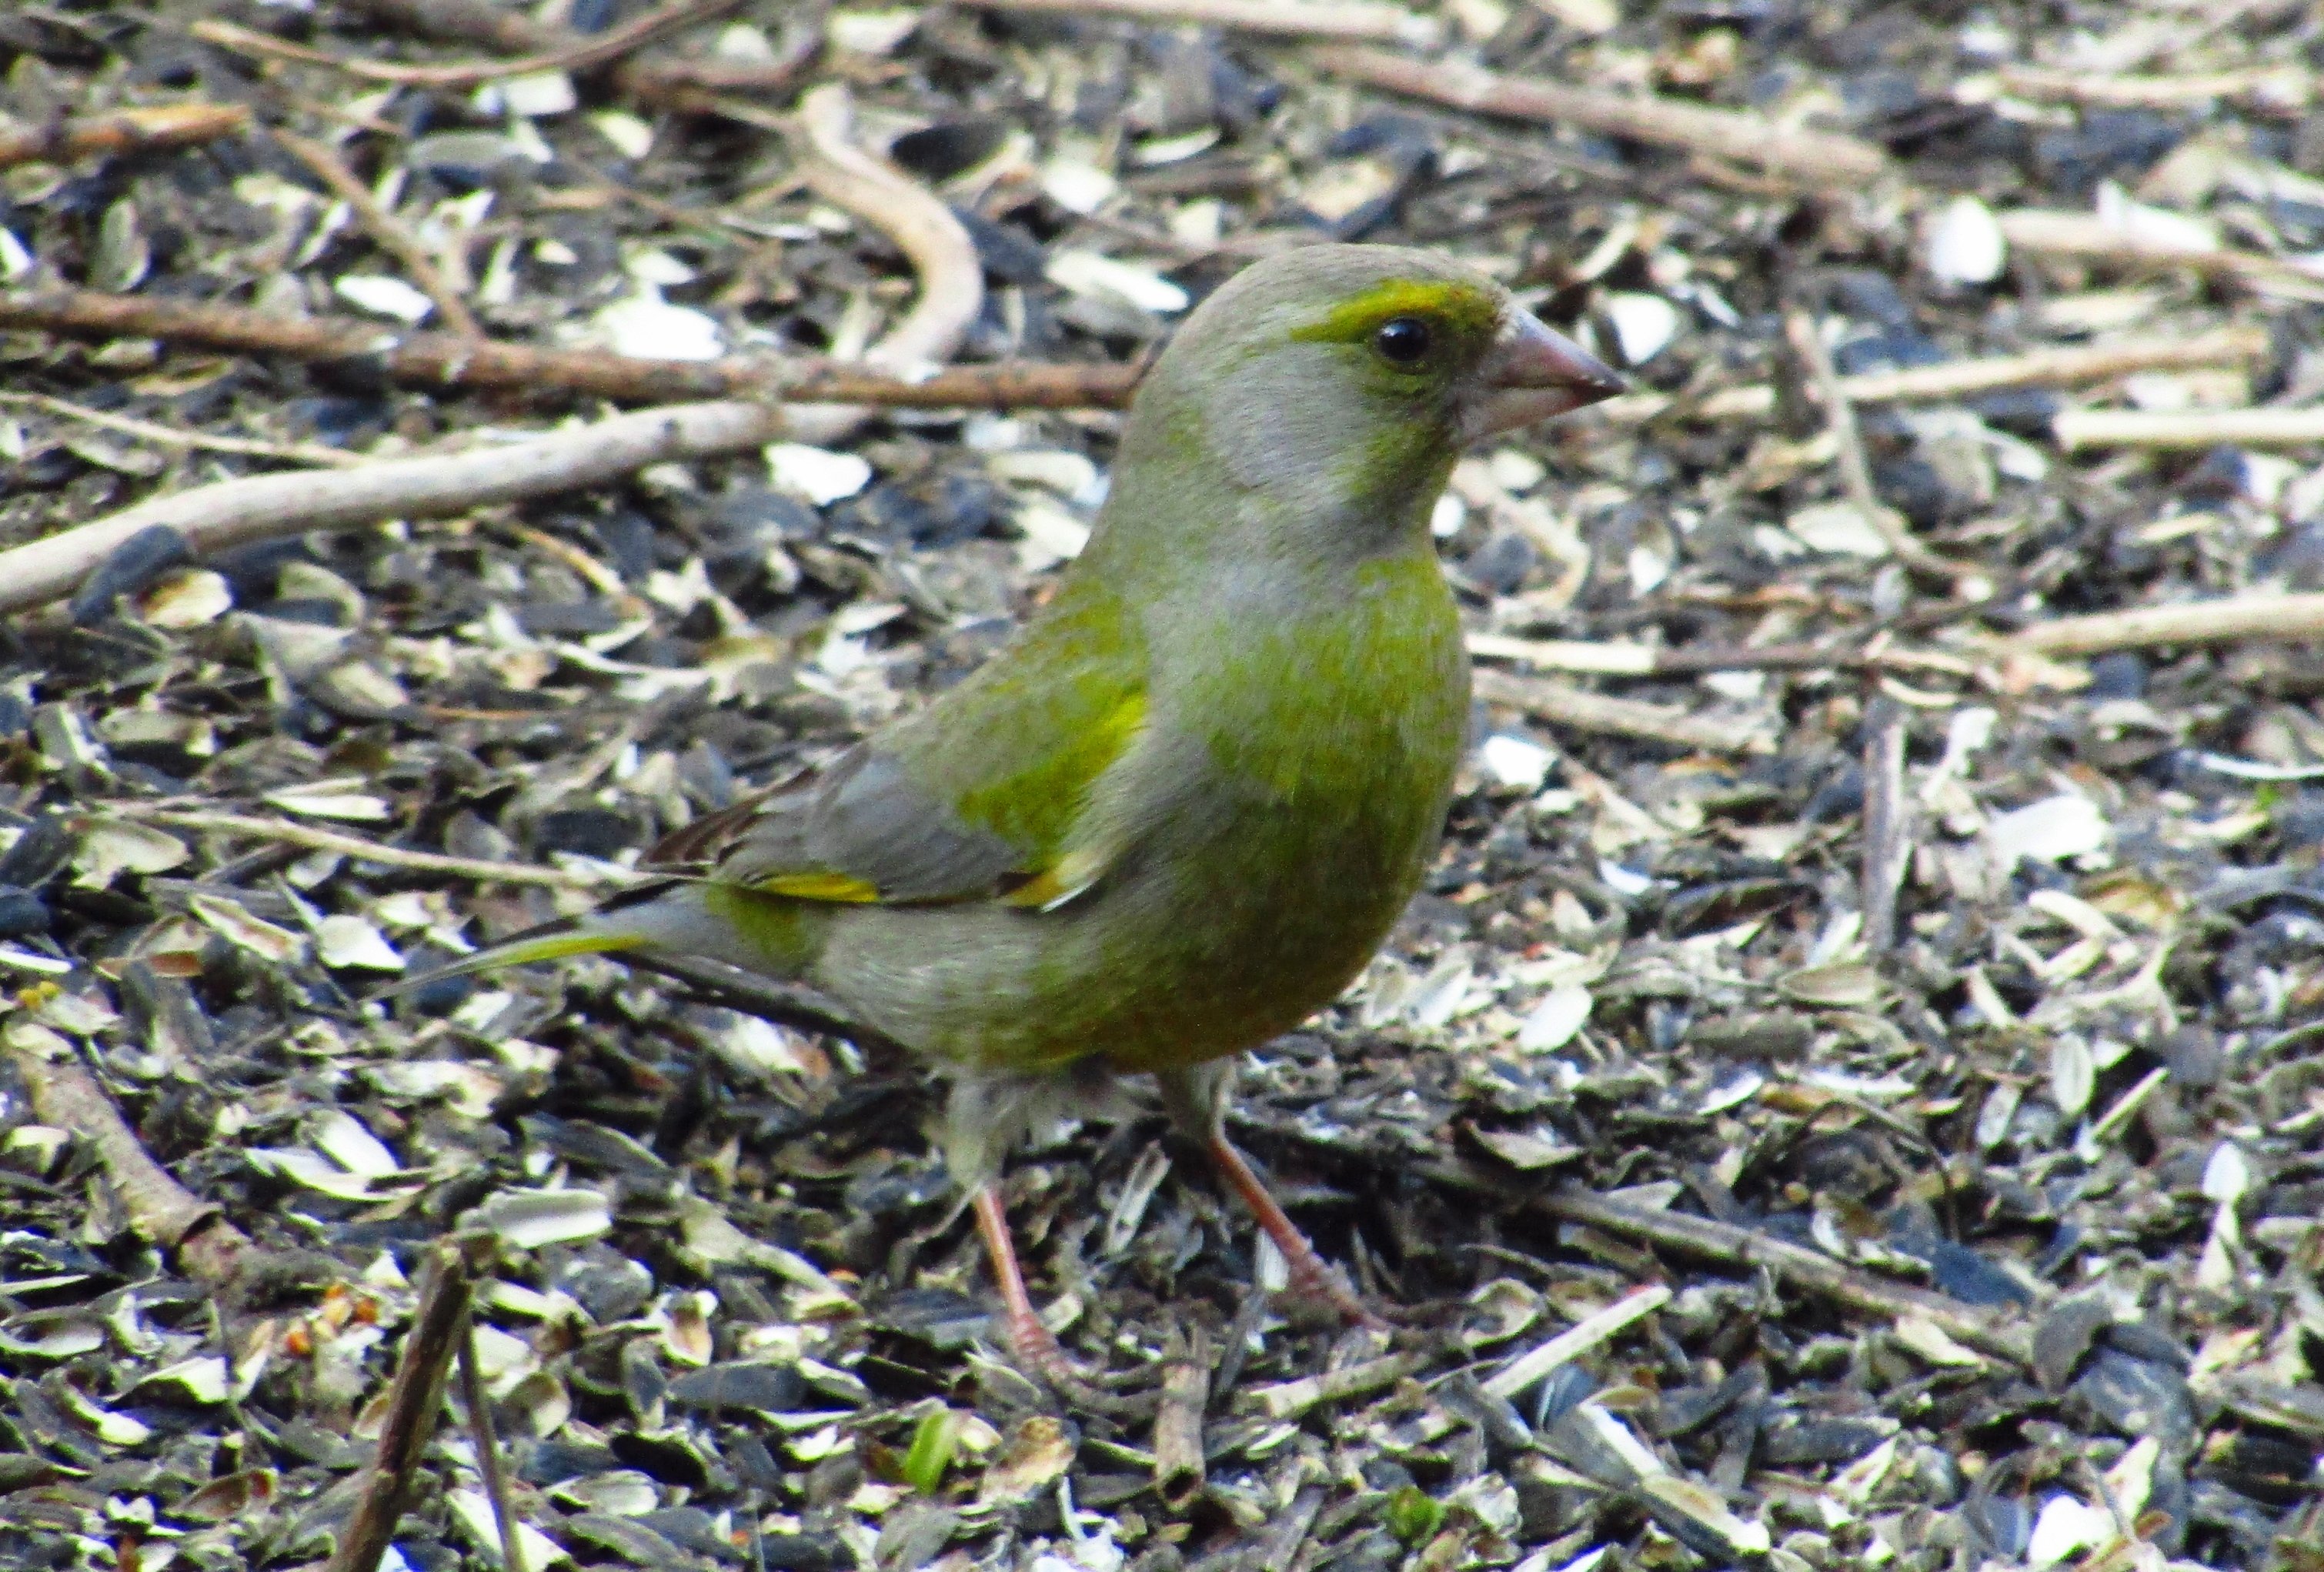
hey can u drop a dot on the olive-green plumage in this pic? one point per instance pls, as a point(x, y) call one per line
point(1176, 815)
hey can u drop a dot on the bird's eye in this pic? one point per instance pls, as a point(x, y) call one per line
point(1404, 341)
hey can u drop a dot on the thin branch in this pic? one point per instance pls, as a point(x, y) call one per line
point(653, 80)
point(2048, 231)
point(386, 229)
point(1887, 825)
point(479, 1404)
point(1824, 157)
point(2254, 619)
point(1563, 705)
point(124, 131)
point(314, 839)
point(581, 54)
point(1350, 21)
point(2189, 429)
point(2279, 87)
point(153, 431)
point(2062, 367)
point(209, 1250)
point(1855, 471)
point(238, 512)
point(446, 360)
point(1178, 1464)
point(1614, 658)
point(446, 1293)
point(943, 257)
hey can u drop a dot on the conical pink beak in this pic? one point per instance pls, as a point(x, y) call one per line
point(1530, 374)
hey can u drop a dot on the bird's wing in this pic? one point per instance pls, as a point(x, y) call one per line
point(986, 794)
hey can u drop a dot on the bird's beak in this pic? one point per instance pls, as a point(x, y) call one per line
point(1531, 373)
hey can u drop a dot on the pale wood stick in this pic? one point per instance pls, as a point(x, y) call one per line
point(2285, 88)
point(580, 54)
point(1855, 473)
point(2183, 428)
point(1887, 822)
point(1527, 1368)
point(2254, 619)
point(1352, 20)
point(1178, 1464)
point(1288, 1399)
point(2052, 368)
point(1825, 157)
point(209, 1249)
point(306, 453)
point(1563, 705)
point(479, 1404)
point(385, 228)
point(290, 832)
point(2047, 232)
point(123, 131)
point(255, 508)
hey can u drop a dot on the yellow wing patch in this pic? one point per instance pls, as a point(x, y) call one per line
point(822, 887)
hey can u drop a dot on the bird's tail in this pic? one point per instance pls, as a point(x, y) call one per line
point(769, 935)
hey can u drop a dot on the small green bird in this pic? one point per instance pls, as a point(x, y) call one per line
point(1177, 815)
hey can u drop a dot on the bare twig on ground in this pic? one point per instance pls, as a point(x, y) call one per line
point(315, 838)
point(580, 54)
point(1289, 1399)
point(1823, 157)
point(1961, 379)
point(1887, 839)
point(1352, 20)
point(2048, 232)
point(943, 256)
point(1178, 1464)
point(122, 132)
point(2281, 87)
point(654, 80)
point(1619, 660)
point(209, 1249)
point(1561, 704)
point(1855, 471)
point(2189, 429)
point(238, 512)
point(444, 1295)
point(2257, 618)
point(479, 1404)
point(386, 229)
point(446, 360)
point(306, 453)
point(1529, 1367)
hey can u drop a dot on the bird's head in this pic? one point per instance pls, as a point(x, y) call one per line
point(1341, 379)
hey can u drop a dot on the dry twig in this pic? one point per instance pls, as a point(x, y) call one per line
point(1887, 824)
point(446, 360)
point(445, 1296)
point(209, 1250)
point(1793, 1264)
point(306, 453)
point(479, 1404)
point(288, 832)
point(1178, 1464)
point(122, 132)
point(386, 229)
point(1613, 658)
point(267, 506)
point(1561, 704)
point(943, 256)
point(579, 54)
point(1961, 379)
point(2255, 619)
point(662, 81)
point(1855, 473)
point(2189, 429)
point(1352, 20)
point(1820, 156)
point(2046, 231)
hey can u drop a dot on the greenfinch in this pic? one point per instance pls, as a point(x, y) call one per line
point(1177, 815)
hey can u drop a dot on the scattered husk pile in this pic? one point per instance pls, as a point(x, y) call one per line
point(1849, 1096)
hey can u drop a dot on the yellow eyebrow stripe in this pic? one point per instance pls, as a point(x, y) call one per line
point(823, 887)
point(1464, 308)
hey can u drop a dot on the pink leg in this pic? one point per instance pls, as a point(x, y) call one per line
point(1032, 1345)
point(1311, 1278)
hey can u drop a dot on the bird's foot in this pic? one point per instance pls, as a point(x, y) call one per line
point(1315, 1281)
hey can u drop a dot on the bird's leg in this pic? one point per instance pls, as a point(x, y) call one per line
point(1032, 1344)
point(1196, 1099)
